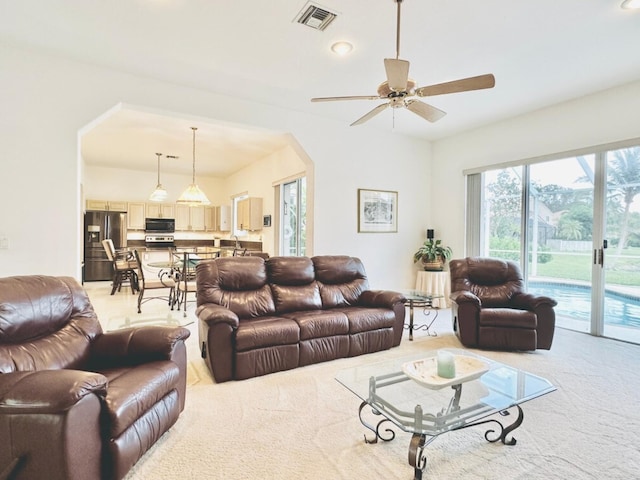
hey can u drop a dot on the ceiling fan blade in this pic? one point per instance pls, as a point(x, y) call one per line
point(426, 111)
point(371, 114)
point(397, 74)
point(336, 99)
point(462, 85)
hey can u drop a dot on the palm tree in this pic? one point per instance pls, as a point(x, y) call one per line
point(624, 179)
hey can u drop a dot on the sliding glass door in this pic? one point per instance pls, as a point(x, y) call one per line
point(621, 257)
point(576, 222)
point(560, 236)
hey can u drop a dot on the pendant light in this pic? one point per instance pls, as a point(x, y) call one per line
point(159, 194)
point(193, 196)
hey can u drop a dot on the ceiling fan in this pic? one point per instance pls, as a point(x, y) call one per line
point(399, 88)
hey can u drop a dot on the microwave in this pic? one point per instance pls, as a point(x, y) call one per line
point(160, 225)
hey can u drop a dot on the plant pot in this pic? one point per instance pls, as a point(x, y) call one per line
point(433, 266)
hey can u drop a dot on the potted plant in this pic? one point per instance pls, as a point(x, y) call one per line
point(432, 254)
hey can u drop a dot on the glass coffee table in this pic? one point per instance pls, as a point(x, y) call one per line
point(408, 393)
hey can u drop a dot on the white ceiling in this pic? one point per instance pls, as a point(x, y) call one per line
point(541, 53)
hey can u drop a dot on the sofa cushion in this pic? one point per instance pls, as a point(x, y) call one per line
point(133, 391)
point(35, 306)
point(363, 319)
point(266, 332)
point(320, 323)
point(289, 298)
point(507, 318)
point(341, 279)
point(293, 271)
point(237, 283)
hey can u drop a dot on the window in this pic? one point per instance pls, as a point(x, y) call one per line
point(293, 212)
point(236, 230)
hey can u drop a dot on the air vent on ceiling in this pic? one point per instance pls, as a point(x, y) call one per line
point(315, 17)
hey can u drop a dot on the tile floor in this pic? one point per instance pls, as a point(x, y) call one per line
point(121, 309)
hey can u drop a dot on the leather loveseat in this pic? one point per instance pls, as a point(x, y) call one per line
point(77, 403)
point(257, 317)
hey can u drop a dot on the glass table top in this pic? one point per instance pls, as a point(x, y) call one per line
point(420, 296)
point(432, 410)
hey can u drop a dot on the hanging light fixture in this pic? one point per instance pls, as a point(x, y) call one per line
point(159, 194)
point(193, 196)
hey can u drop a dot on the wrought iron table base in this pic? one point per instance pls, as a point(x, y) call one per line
point(417, 457)
point(427, 310)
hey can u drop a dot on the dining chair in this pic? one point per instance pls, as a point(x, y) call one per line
point(124, 267)
point(239, 252)
point(163, 282)
point(187, 277)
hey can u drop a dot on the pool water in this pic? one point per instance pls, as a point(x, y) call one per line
point(575, 301)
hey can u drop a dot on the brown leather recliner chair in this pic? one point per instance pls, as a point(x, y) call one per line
point(77, 403)
point(492, 310)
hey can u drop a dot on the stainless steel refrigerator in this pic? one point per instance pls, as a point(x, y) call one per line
point(99, 226)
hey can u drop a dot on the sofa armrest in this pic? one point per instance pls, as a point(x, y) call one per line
point(47, 391)
point(464, 296)
point(529, 301)
point(133, 346)
point(381, 298)
point(210, 313)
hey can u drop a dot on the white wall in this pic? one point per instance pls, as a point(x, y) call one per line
point(607, 117)
point(46, 100)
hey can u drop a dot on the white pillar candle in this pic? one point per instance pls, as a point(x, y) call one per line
point(446, 364)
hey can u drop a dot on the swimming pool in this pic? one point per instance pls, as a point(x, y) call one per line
point(575, 301)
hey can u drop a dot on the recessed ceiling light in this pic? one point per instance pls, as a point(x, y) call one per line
point(341, 48)
point(630, 4)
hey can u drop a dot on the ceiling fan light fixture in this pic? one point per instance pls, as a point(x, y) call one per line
point(341, 48)
point(630, 4)
point(193, 196)
point(159, 194)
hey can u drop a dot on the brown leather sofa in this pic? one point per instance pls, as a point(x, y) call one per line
point(257, 317)
point(77, 403)
point(491, 309)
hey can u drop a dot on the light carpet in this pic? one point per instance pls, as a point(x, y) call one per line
point(303, 424)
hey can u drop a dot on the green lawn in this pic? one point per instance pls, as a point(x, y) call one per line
point(624, 270)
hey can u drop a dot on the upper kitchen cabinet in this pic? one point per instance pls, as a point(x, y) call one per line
point(161, 210)
point(190, 219)
point(196, 218)
point(106, 205)
point(211, 219)
point(136, 216)
point(223, 218)
point(250, 214)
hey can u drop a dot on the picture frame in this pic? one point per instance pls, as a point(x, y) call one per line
point(377, 211)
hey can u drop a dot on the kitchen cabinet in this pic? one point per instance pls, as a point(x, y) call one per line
point(223, 218)
point(196, 219)
point(250, 214)
point(161, 210)
point(136, 216)
point(211, 219)
point(189, 219)
point(106, 206)
point(182, 217)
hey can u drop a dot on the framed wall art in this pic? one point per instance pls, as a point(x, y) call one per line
point(377, 211)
